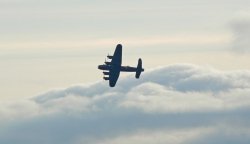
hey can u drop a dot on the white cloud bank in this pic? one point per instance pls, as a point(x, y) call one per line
point(177, 104)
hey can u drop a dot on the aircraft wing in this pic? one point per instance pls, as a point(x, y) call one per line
point(115, 66)
point(113, 77)
point(117, 57)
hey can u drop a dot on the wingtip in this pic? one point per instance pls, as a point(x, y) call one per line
point(111, 85)
point(119, 45)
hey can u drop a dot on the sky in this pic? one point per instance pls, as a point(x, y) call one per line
point(47, 44)
point(195, 88)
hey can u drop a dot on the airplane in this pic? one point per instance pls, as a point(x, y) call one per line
point(111, 69)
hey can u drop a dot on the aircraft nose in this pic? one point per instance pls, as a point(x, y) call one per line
point(99, 67)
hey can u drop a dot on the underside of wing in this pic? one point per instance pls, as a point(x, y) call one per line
point(113, 76)
point(117, 57)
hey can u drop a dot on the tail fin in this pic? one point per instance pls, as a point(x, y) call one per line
point(139, 69)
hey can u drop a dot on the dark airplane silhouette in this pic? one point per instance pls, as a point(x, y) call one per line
point(111, 69)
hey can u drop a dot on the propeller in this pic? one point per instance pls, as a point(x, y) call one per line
point(105, 61)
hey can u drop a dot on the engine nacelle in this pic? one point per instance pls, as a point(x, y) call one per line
point(106, 78)
point(106, 73)
point(107, 63)
point(109, 56)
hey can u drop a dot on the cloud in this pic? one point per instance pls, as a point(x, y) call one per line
point(179, 103)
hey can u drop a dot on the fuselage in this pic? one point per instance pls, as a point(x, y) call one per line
point(120, 68)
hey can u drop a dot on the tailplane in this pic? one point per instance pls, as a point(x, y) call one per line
point(139, 69)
